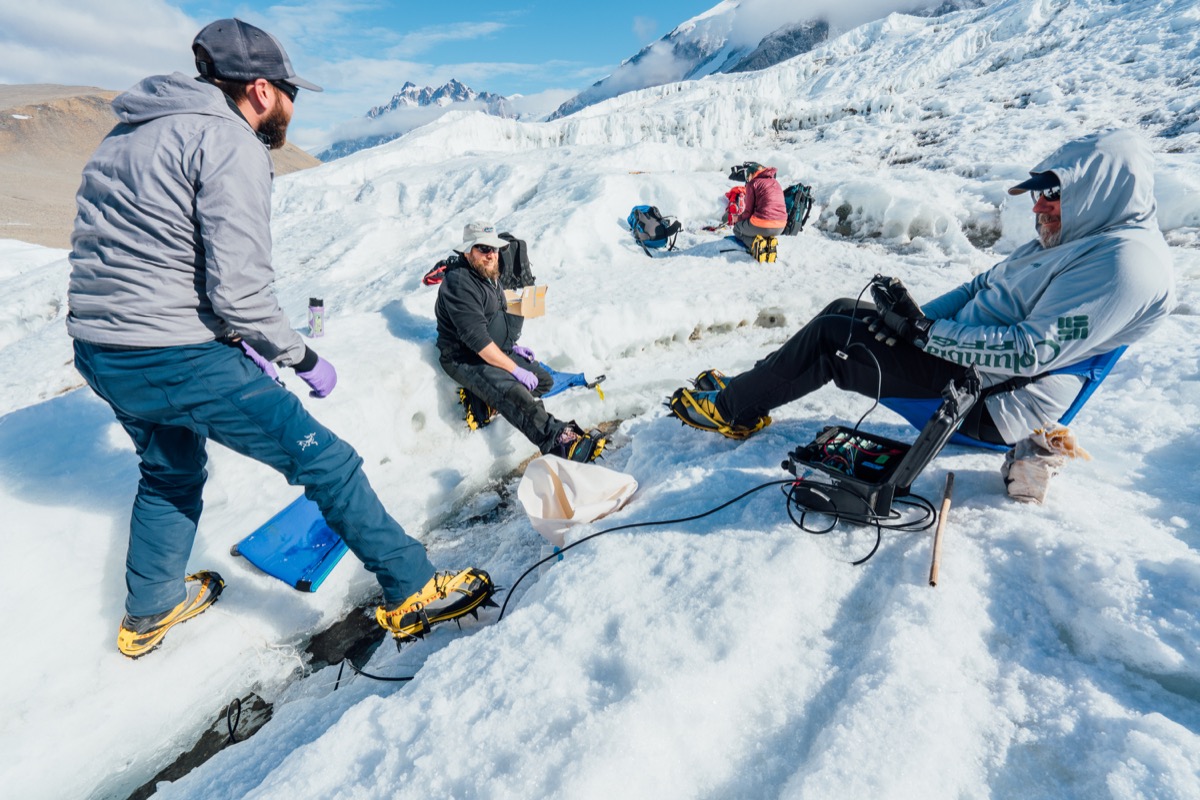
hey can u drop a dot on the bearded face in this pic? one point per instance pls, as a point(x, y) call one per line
point(486, 264)
point(273, 128)
point(1049, 221)
point(1050, 238)
point(1049, 228)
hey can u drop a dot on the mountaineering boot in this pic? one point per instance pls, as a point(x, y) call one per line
point(699, 409)
point(758, 249)
point(476, 412)
point(575, 445)
point(771, 249)
point(711, 380)
point(140, 635)
point(446, 596)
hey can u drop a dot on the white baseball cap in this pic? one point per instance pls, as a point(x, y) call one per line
point(481, 233)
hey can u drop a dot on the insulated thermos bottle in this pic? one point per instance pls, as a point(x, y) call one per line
point(316, 317)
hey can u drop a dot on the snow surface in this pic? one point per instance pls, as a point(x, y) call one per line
point(733, 656)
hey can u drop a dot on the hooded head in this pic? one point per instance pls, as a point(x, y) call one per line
point(1106, 180)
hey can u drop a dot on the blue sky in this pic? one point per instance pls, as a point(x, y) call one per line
point(361, 52)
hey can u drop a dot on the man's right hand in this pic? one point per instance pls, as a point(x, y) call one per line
point(526, 378)
point(890, 327)
point(321, 378)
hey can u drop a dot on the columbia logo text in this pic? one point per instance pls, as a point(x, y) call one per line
point(1072, 328)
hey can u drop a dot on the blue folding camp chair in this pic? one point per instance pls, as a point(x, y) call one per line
point(1094, 370)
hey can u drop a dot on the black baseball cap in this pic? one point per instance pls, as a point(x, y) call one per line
point(1038, 182)
point(238, 51)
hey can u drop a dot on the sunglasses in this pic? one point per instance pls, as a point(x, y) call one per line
point(484, 249)
point(287, 88)
point(1052, 195)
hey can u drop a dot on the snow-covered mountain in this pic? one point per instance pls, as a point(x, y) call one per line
point(412, 96)
point(728, 656)
point(394, 118)
point(734, 36)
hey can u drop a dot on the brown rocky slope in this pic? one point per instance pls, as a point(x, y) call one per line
point(47, 134)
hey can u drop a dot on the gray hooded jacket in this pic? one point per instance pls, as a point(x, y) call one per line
point(172, 240)
point(1105, 285)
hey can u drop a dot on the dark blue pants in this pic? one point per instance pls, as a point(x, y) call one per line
point(171, 400)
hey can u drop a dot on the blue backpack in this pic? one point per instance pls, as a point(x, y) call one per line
point(799, 201)
point(651, 229)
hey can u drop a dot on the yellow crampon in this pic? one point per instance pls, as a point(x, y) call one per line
point(764, 249)
point(446, 596)
point(698, 411)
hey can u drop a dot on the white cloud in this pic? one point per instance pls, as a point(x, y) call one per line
point(111, 45)
point(657, 65)
point(644, 28)
point(541, 103)
point(756, 18)
point(425, 39)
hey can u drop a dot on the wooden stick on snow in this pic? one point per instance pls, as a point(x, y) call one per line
point(941, 526)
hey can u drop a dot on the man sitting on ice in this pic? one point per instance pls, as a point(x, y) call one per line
point(478, 349)
point(1098, 276)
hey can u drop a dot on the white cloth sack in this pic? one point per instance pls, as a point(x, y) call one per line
point(1033, 461)
point(558, 494)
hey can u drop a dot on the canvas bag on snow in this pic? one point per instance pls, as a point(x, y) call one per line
point(558, 494)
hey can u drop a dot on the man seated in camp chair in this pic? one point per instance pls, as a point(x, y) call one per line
point(1097, 277)
point(477, 342)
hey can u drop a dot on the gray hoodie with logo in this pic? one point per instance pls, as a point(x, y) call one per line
point(1104, 285)
point(172, 240)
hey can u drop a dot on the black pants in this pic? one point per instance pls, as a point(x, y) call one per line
point(810, 359)
point(500, 390)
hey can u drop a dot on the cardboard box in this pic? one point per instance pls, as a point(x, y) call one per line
point(527, 302)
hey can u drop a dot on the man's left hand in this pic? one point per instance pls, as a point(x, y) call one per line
point(266, 366)
point(890, 294)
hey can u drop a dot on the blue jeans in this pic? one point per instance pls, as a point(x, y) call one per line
point(171, 400)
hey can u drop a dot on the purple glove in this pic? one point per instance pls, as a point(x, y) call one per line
point(523, 352)
point(527, 378)
point(322, 378)
point(266, 366)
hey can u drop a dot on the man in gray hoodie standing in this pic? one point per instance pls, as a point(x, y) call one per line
point(177, 328)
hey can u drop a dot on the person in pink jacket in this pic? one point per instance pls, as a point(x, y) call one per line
point(765, 213)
